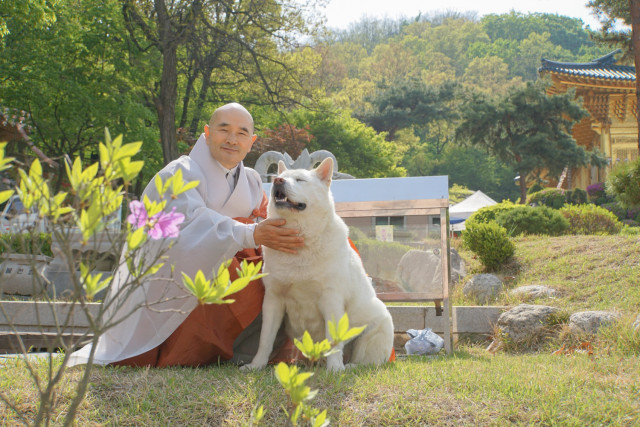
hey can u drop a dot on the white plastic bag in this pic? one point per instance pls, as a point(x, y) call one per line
point(423, 342)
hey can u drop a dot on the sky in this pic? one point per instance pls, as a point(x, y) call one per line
point(340, 13)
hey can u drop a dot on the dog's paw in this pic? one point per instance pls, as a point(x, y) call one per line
point(252, 367)
point(335, 367)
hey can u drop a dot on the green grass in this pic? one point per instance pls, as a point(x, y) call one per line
point(471, 387)
point(590, 272)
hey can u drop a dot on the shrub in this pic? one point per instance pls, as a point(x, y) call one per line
point(489, 242)
point(595, 190)
point(553, 197)
point(576, 196)
point(489, 213)
point(630, 231)
point(617, 209)
point(26, 243)
point(530, 220)
point(623, 182)
point(590, 219)
point(535, 188)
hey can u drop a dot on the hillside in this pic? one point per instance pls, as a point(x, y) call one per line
point(590, 272)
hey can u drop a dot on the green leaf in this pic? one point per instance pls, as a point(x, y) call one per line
point(5, 195)
point(136, 238)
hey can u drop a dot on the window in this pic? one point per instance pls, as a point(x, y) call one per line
point(396, 221)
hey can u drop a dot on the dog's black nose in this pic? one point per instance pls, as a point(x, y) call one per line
point(278, 180)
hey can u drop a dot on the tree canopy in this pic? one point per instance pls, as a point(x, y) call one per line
point(527, 130)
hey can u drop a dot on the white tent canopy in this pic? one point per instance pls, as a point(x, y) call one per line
point(468, 206)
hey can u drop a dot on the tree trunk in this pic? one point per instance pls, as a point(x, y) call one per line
point(166, 101)
point(634, 6)
point(523, 188)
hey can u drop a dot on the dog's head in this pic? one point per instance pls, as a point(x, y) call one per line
point(295, 191)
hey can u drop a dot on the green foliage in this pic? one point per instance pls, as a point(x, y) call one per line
point(590, 219)
point(26, 243)
point(360, 151)
point(467, 166)
point(528, 130)
point(490, 213)
point(623, 182)
point(577, 196)
point(458, 193)
point(489, 241)
point(217, 290)
point(533, 220)
point(293, 380)
point(75, 80)
point(552, 197)
point(535, 188)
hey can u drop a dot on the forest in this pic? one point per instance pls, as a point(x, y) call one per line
point(404, 97)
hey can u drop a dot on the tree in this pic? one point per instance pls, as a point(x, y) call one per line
point(216, 45)
point(612, 12)
point(359, 149)
point(72, 79)
point(527, 130)
point(412, 104)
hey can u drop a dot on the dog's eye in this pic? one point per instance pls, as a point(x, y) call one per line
point(300, 180)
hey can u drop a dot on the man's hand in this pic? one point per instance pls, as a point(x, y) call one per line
point(272, 234)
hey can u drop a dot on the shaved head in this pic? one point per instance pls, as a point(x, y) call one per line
point(233, 106)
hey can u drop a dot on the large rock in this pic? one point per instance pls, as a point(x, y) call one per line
point(421, 271)
point(525, 322)
point(483, 288)
point(590, 321)
point(531, 292)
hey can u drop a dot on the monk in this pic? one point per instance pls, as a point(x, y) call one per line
point(161, 325)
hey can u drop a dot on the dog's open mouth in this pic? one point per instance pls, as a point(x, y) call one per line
point(282, 201)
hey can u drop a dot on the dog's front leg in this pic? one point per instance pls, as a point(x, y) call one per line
point(333, 309)
point(272, 315)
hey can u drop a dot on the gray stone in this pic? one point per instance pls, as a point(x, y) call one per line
point(531, 292)
point(590, 321)
point(483, 287)
point(525, 322)
point(421, 271)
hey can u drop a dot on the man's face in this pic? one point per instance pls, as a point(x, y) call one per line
point(230, 136)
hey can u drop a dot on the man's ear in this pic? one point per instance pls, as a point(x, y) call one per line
point(325, 170)
point(281, 167)
point(206, 131)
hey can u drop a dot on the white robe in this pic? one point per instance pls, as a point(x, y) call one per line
point(208, 237)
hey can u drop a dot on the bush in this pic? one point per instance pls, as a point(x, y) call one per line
point(535, 188)
point(623, 182)
point(489, 213)
point(553, 197)
point(590, 219)
point(489, 242)
point(617, 209)
point(576, 196)
point(26, 243)
point(530, 220)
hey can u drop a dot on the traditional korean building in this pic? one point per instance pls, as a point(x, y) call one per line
point(608, 91)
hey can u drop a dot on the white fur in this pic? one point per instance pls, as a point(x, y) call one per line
point(323, 280)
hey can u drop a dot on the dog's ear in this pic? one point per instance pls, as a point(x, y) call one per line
point(325, 170)
point(281, 167)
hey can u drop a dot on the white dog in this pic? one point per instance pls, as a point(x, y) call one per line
point(323, 280)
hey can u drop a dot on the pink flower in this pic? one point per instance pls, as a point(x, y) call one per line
point(138, 217)
point(160, 225)
point(165, 224)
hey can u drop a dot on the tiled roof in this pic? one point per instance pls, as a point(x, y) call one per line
point(601, 68)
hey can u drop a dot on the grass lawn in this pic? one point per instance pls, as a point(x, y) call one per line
point(470, 387)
